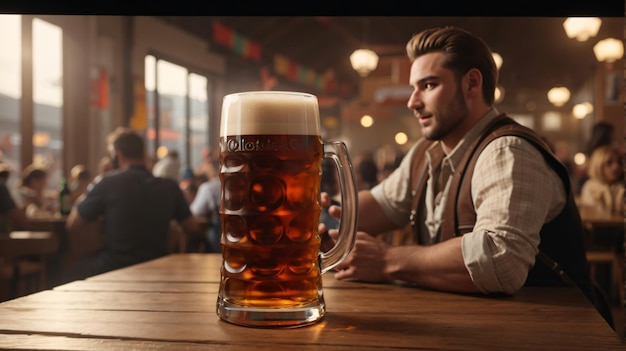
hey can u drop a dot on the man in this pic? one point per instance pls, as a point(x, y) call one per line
point(515, 199)
point(135, 209)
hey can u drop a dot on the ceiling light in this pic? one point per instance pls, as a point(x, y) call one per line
point(364, 61)
point(498, 59)
point(609, 50)
point(558, 96)
point(401, 138)
point(367, 121)
point(498, 94)
point(581, 111)
point(582, 28)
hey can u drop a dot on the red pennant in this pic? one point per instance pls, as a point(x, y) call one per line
point(222, 34)
point(292, 71)
point(254, 51)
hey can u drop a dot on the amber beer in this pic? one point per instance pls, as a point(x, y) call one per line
point(270, 169)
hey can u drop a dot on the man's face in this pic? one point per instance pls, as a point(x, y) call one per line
point(437, 99)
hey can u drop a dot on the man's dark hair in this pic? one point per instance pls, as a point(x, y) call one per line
point(462, 51)
point(127, 142)
point(32, 173)
point(601, 134)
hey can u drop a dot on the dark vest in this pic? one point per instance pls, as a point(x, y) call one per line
point(562, 257)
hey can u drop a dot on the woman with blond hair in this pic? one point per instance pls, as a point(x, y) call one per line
point(605, 188)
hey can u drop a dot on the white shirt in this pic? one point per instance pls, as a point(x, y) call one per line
point(167, 167)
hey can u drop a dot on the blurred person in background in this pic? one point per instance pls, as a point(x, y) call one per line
point(80, 177)
point(30, 193)
point(190, 189)
point(602, 133)
point(5, 173)
point(366, 174)
point(105, 165)
point(168, 166)
point(207, 204)
point(208, 167)
point(11, 216)
point(124, 216)
point(604, 190)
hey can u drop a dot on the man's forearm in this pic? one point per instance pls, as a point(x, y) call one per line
point(371, 218)
point(438, 266)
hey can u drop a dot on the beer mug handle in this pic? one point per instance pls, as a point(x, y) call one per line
point(338, 152)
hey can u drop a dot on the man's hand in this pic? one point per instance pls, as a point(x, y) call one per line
point(366, 261)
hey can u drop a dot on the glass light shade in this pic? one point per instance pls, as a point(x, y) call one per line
point(580, 111)
point(367, 121)
point(609, 50)
point(364, 61)
point(558, 96)
point(401, 138)
point(498, 94)
point(498, 59)
point(582, 28)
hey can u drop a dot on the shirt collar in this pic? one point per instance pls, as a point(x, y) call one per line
point(436, 154)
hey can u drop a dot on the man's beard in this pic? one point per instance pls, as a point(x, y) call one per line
point(450, 118)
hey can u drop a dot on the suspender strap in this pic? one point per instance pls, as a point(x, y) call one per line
point(419, 176)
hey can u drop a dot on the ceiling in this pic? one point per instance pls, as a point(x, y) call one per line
point(536, 51)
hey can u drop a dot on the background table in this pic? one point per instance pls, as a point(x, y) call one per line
point(169, 304)
point(58, 262)
point(23, 256)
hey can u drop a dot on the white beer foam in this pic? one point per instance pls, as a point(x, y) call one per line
point(270, 112)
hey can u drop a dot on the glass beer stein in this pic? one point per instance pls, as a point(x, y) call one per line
point(270, 169)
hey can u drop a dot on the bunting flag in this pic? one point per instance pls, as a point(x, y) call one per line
point(282, 65)
point(254, 51)
point(236, 42)
point(310, 77)
point(292, 71)
point(222, 35)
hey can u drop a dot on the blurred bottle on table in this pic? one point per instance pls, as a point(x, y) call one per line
point(65, 198)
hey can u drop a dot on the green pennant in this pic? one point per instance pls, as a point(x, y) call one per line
point(239, 44)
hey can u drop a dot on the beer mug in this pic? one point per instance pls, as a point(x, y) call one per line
point(270, 169)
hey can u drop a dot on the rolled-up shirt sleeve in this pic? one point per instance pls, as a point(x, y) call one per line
point(514, 192)
point(393, 194)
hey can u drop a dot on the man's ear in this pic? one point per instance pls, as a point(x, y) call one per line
point(473, 82)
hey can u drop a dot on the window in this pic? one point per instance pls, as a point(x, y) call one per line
point(10, 93)
point(47, 95)
point(179, 98)
point(48, 100)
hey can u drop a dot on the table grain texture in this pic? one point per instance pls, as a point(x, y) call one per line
point(169, 304)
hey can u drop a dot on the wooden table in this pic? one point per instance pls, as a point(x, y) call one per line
point(169, 304)
point(57, 263)
point(591, 216)
point(25, 253)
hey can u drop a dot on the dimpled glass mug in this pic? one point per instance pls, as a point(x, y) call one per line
point(270, 169)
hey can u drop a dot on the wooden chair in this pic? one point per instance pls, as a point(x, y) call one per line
point(23, 261)
point(616, 261)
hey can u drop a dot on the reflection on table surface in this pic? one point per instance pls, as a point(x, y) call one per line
point(169, 303)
